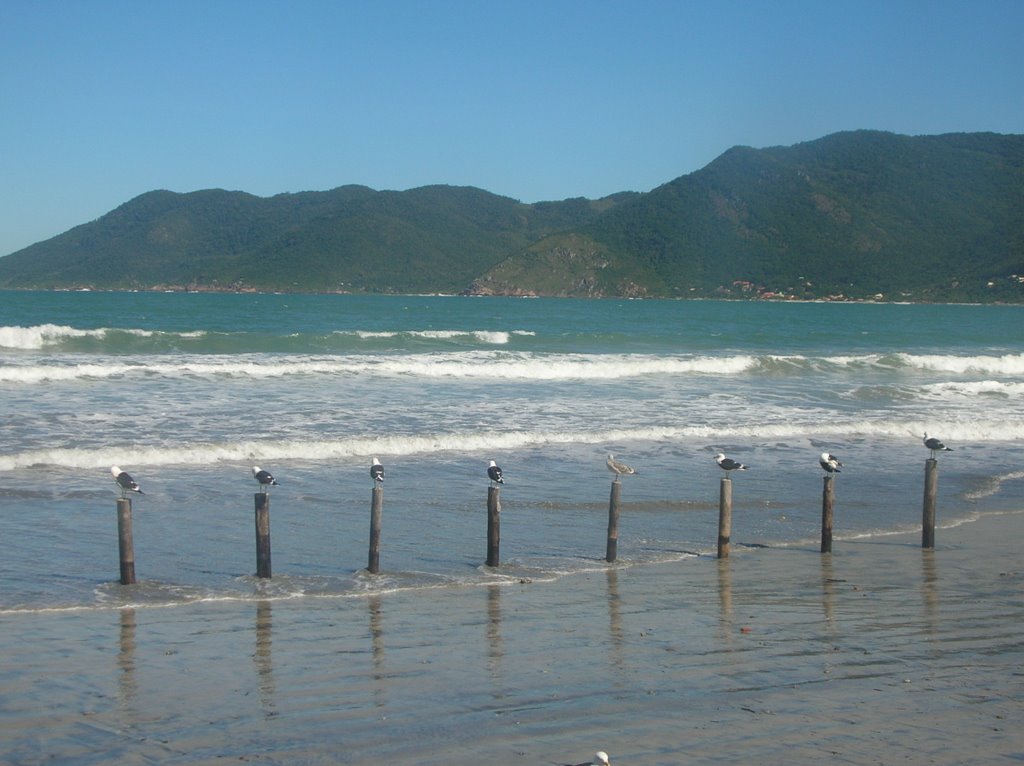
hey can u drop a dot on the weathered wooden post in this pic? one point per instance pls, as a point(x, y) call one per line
point(376, 511)
point(493, 525)
point(612, 548)
point(262, 534)
point(828, 499)
point(931, 487)
point(724, 517)
point(125, 546)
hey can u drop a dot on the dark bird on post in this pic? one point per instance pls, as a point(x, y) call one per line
point(728, 465)
point(377, 472)
point(935, 445)
point(494, 473)
point(830, 463)
point(263, 477)
point(124, 481)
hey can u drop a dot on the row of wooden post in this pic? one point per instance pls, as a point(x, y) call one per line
point(262, 506)
point(828, 500)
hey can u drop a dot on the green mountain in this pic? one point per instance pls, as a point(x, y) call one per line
point(853, 214)
point(432, 239)
point(856, 214)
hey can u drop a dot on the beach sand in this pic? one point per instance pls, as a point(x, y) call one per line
point(879, 653)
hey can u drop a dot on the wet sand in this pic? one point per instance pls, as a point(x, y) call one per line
point(880, 653)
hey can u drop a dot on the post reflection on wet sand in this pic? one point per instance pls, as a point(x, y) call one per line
point(263, 657)
point(726, 626)
point(127, 684)
point(375, 606)
point(495, 643)
point(615, 634)
point(930, 589)
point(725, 589)
point(828, 592)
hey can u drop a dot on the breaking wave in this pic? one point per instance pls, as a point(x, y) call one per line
point(321, 449)
point(113, 340)
point(467, 365)
point(44, 336)
point(510, 365)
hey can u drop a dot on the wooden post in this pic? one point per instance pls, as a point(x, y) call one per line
point(493, 525)
point(376, 511)
point(828, 500)
point(931, 488)
point(724, 517)
point(612, 549)
point(262, 534)
point(125, 547)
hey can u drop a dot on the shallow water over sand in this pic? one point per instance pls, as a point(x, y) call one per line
point(879, 653)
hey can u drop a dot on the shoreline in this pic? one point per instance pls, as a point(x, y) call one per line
point(880, 652)
point(212, 290)
point(343, 585)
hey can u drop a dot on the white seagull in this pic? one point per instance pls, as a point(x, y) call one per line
point(263, 477)
point(935, 445)
point(727, 464)
point(494, 473)
point(124, 481)
point(830, 463)
point(618, 468)
point(377, 472)
point(600, 759)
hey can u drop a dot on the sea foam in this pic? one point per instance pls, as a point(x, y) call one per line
point(40, 336)
point(479, 442)
point(466, 365)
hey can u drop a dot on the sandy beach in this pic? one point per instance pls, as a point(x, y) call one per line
point(880, 653)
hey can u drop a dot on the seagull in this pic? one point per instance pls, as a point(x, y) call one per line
point(494, 473)
point(830, 463)
point(600, 759)
point(263, 477)
point(935, 445)
point(377, 471)
point(728, 465)
point(124, 481)
point(618, 468)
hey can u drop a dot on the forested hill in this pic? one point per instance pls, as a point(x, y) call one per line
point(852, 215)
point(431, 239)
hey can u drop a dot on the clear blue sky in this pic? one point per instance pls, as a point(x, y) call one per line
point(533, 99)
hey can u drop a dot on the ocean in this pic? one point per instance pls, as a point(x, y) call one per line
point(777, 654)
point(187, 392)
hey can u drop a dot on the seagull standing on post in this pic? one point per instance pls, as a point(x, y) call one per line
point(263, 477)
point(830, 463)
point(728, 465)
point(377, 472)
point(618, 468)
point(494, 473)
point(124, 481)
point(935, 445)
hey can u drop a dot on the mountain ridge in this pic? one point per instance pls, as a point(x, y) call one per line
point(856, 214)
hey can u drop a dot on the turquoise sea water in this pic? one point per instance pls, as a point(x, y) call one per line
point(187, 391)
